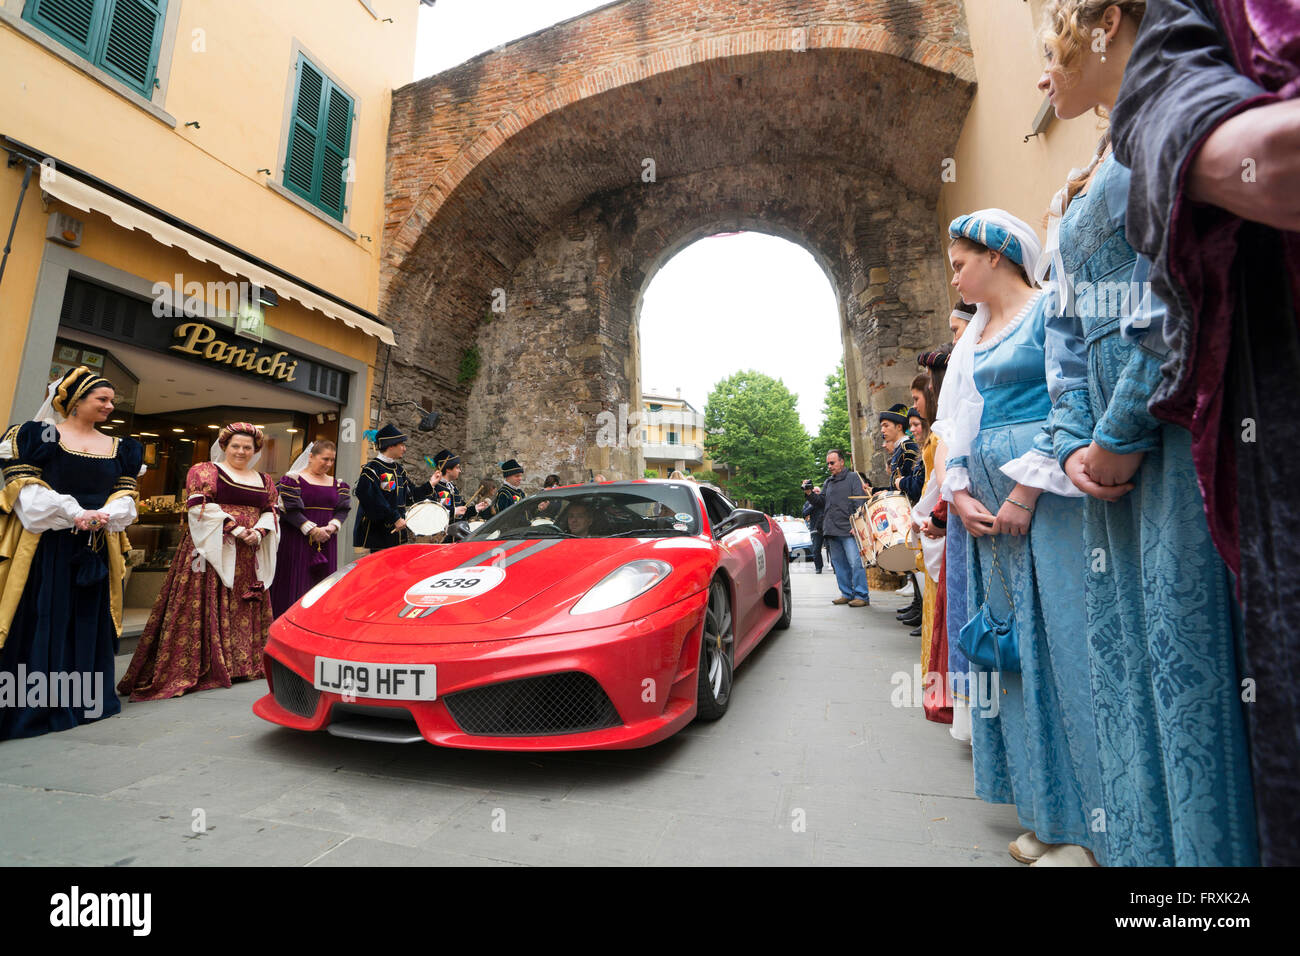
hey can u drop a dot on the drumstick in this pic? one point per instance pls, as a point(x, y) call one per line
point(477, 494)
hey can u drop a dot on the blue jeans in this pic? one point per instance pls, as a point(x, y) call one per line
point(847, 561)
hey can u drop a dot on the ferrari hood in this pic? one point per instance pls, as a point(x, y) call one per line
point(470, 583)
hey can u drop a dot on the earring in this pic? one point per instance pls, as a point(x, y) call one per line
point(1103, 58)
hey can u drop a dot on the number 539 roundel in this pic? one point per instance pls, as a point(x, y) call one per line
point(592, 616)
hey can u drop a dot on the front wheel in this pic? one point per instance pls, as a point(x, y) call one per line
point(783, 623)
point(717, 655)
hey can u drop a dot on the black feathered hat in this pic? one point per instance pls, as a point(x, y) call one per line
point(896, 414)
point(388, 436)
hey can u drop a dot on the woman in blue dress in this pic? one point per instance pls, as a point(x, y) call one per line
point(69, 494)
point(1160, 614)
point(1033, 741)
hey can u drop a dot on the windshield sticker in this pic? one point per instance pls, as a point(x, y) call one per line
point(449, 587)
point(680, 527)
point(683, 517)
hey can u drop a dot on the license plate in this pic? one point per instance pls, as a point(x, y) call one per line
point(377, 681)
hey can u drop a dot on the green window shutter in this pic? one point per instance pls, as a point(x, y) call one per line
point(121, 37)
point(338, 130)
point(320, 135)
point(74, 23)
point(131, 37)
point(300, 164)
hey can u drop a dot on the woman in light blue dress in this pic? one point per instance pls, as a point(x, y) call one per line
point(1033, 740)
point(1161, 621)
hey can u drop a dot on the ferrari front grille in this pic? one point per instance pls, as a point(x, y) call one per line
point(568, 703)
point(292, 692)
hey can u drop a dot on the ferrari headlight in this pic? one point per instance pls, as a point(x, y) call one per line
point(622, 585)
point(318, 591)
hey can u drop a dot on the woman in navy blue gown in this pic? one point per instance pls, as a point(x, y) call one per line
point(69, 494)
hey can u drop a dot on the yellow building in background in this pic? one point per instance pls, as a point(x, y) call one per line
point(199, 196)
point(672, 437)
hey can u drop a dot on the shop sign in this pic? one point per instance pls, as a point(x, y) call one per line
point(201, 339)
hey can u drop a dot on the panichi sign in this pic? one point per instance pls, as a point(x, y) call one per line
point(201, 340)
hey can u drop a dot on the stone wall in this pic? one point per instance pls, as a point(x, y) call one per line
point(557, 175)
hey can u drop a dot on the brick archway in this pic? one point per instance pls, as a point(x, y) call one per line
point(525, 171)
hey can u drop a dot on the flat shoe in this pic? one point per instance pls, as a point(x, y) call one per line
point(857, 602)
point(1027, 848)
point(840, 600)
point(1066, 854)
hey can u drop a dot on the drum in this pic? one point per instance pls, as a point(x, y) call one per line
point(861, 526)
point(426, 519)
point(890, 515)
point(475, 525)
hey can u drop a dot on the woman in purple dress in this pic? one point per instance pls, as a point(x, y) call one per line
point(210, 622)
point(315, 506)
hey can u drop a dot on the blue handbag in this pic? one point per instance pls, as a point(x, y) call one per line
point(987, 642)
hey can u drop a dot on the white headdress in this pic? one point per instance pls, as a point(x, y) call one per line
point(300, 463)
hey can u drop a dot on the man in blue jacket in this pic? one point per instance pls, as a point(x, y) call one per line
point(843, 494)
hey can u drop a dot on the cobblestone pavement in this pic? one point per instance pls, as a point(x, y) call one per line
point(811, 765)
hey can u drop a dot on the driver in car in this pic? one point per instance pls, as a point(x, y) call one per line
point(577, 520)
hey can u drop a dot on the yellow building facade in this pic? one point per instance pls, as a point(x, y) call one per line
point(672, 437)
point(199, 197)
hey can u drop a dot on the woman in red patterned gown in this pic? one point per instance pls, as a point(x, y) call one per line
point(210, 622)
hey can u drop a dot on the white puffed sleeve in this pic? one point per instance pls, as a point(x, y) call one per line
point(218, 550)
point(121, 513)
point(268, 548)
point(40, 509)
point(1034, 469)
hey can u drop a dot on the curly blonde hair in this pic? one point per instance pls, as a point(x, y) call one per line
point(1066, 32)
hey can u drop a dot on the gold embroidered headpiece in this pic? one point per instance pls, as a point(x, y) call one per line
point(240, 428)
point(76, 385)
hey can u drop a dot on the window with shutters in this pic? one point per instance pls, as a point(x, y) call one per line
point(316, 163)
point(120, 37)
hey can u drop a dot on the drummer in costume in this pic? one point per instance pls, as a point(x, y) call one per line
point(383, 493)
point(509, 493)
point(69, 495)
point(445, 491)
point(906, 470)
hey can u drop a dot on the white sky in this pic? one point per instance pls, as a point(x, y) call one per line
point(741, 301)
point(721, 304)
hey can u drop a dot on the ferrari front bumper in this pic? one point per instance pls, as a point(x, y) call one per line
point(623, 686)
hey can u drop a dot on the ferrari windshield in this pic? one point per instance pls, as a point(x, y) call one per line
point(616, 510)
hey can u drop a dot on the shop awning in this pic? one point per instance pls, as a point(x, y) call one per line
point(76, 193)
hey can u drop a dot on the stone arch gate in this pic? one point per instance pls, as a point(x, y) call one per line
point(551, 178)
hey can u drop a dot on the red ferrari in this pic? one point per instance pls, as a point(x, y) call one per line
point(593, 616)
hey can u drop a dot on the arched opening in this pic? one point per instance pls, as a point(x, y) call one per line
point(719, 305)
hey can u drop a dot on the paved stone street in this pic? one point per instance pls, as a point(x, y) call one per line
point(811, 738)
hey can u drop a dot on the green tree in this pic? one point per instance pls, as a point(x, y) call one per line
point(752, 424)
point(835, 431)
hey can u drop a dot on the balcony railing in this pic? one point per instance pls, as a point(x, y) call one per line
point(664, 451)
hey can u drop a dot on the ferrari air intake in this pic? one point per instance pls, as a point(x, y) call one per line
point(568, 703)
